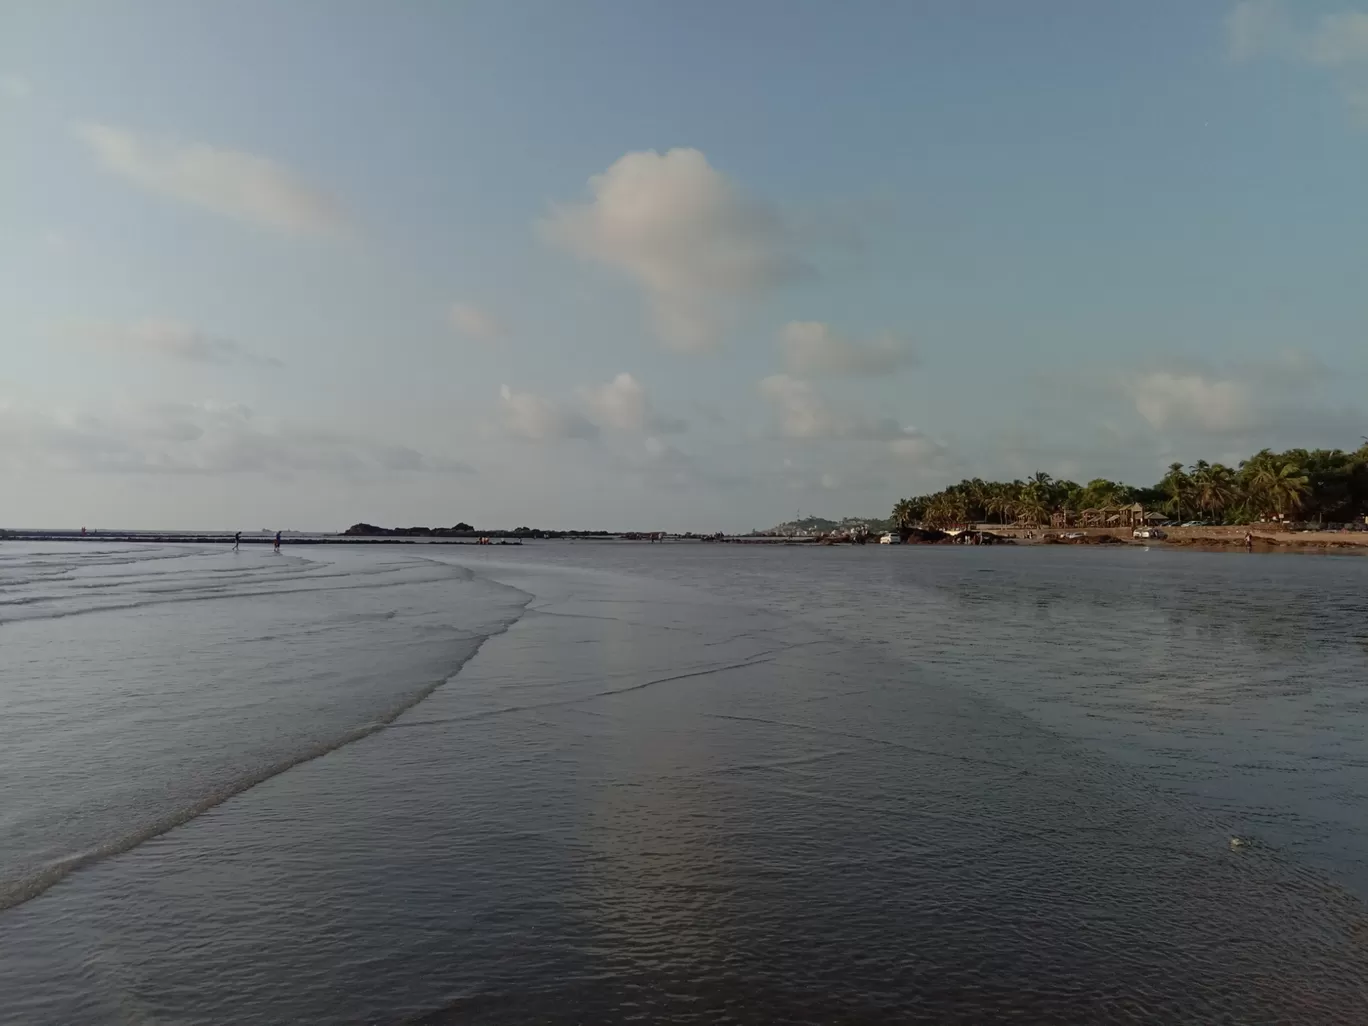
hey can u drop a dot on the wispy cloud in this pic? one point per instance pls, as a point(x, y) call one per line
point(180, 342)
point(534, 418)
point(1336, 42)
point(687, 235)
point(622, 405)
point(800, 412)
point(475, 322)
point(1184, 401)
point(811, 347)
point(1195, 406)
point(15, 87)
point(213, 438)
point(232, 183)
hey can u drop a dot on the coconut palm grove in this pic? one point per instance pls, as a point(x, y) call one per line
point(1321, 485)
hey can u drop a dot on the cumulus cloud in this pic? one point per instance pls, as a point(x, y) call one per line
point(1336, 41)
point(1339, 39)
point(243, 186)
point(622, 405)
point(475, 323)
point(194, 438)
point(15, 87)
point(665, 465)
point(916, 446)
point(1169, 400)
point(801, 413)
point(1263, 28)
point(534, 418)
point(1280, 399)
point(799, 410)
point(1255, 28)
point(177, 341)
point(811, 347)
point(689, 237)
point(1358, 103)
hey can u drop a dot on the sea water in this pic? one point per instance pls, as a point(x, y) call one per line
point(680, 783)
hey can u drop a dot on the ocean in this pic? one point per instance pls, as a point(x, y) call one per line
point(598, 782)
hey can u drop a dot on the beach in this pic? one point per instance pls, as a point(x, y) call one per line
point(617, 782)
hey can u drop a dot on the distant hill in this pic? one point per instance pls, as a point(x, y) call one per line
point(821, 525)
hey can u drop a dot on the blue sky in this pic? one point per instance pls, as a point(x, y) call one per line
point(691, 266)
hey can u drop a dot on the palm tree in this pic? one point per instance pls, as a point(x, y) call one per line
point(1000, 501)
point(956, 507)
point(1321, 482)
point(1275, 485)
point(1200, 485)
point(908, 512)
point(976, 494)
point(1286, 489)
point(1031, 508)
point(1218, 490)
point(1177, 485)
point(938, 513)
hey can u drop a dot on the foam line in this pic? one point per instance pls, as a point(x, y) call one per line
point(28, 888)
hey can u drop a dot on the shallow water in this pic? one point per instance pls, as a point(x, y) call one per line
point(681, 783)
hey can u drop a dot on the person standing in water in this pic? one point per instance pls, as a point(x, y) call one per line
point(1249, 541)
point(277, 542)
point(237, 541)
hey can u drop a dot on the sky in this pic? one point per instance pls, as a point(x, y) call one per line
point(664, 266)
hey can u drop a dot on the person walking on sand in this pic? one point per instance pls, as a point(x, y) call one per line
point(277, 541)
point(237, 541)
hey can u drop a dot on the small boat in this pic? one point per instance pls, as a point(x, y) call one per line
point(890, 539)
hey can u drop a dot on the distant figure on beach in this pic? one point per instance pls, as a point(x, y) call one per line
point(1249, 541)
point(277, 541)
point(237, 541)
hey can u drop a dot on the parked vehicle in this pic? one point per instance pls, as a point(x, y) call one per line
point(1151, 533)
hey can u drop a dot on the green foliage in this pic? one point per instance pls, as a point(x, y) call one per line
point(1320, 484)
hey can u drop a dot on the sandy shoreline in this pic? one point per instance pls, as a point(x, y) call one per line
point(1217, 539)
point(1220, 539)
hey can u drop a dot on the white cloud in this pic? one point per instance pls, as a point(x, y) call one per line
point(1280, 399)
point(667, 466)
point(476, 323)
point(1358, 103)
point(1189, 400)
point(811, 347)
point(801, 413)
point(194, 438)
point(690, 238)
point(15, 87)
point(622, 405)
point(1339, 39)
point(1291, 369)
point(232, 183)
point(916, 446)
point(534, 418)
point(174, 340)
point(1336, 41)
point(1255, 28)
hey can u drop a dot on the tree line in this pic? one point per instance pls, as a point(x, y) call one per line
point(1325, 485)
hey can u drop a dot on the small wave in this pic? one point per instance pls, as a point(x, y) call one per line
point(558, 703)
point(885, 742)
point(29, 887)
point(203, 594)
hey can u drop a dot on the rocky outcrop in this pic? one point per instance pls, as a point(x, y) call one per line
point(371, 531)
